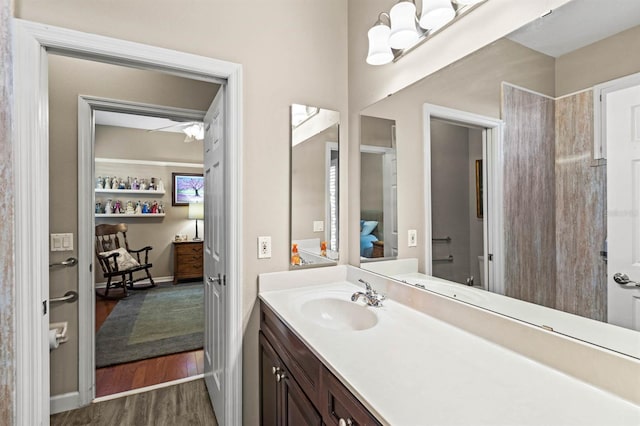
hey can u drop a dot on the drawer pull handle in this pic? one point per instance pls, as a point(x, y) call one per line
point(275, 370)
point(343, 422)
point(280, 376)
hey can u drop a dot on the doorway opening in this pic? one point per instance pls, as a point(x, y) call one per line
point(457, 185)
point(457, 199)
point(33, 174)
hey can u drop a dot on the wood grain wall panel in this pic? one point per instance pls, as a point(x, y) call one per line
point(580, 211)
point(529, 196)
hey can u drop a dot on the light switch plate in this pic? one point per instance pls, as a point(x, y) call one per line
point(318, 226)
point(62, 242)
point(412, 238)
point(264, 247)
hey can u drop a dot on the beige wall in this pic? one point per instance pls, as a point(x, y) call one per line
point(278, 69)
point(68, 78)
point(308, 185)
point(608, 59)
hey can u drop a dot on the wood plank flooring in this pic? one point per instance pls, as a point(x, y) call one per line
point(184, 404)
point(148, 372)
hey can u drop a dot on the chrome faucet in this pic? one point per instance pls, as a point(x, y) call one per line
point(372, 297)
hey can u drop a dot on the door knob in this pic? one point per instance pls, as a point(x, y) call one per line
point(213, 280)
point(280, 376)
point(623, 279)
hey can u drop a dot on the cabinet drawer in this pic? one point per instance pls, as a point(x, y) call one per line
point(189, 268)
point(299, 360)
point(190, 259)
point(189, 249)
point(337, 403)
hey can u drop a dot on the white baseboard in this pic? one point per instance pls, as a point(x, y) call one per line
point(166, 279)
point(64, 402)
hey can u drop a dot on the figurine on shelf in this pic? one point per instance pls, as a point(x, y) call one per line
point(122, 184)
point(143, 184)
point(117, 208)
point(160, 186)
point(138, 208)
point(108, 209)
point(130, 209)
point(107, 182)
point(98, 207)
point(114, 183)
point(152, 184)
point(160, 208)
point(145, 207)
point(128, 182)
point(99, 183)
point(135, 184)
point(154, 207)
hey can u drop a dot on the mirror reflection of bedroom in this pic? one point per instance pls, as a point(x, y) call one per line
point(149, 313)
point(378, 190)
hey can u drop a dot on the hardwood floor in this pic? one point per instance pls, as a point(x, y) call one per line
point(139, 374)
point(184, 404)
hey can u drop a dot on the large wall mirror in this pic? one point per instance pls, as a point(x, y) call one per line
point(522, 200)
point(315, 175)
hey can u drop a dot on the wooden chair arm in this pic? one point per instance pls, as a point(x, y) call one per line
point(146, 251)
point(104, 260)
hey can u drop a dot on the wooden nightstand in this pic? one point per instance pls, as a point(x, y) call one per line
point(187, 260)
point(378, 249)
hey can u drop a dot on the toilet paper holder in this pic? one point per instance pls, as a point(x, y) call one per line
point(61, 331)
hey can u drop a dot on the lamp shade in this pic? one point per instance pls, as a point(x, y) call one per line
point(436, 14)
point(196, 210)
point(379, 49)
point(403, 25)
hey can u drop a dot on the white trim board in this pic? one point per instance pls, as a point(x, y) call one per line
point(32, 41)
point(149, 163)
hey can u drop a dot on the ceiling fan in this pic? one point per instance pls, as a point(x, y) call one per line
point(194, 130)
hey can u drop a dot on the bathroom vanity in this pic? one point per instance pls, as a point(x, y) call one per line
point(326, 359)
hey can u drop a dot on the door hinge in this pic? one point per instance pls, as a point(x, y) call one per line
point(490, 257)
point(224, 279)
point(44, 307)
point(91, 267)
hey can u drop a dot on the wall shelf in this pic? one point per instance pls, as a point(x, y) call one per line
point(121, 215)
point(129, 191)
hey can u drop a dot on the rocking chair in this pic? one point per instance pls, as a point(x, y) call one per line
point(117, 262)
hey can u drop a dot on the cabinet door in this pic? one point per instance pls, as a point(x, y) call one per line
point(340, 407)
point(296, 408)
point(268, 384)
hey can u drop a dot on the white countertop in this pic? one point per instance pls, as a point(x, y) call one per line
point(412, 369)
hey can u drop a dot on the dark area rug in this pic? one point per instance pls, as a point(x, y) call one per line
point(150, 323)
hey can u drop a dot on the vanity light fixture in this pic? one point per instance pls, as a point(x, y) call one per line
point(387, 42)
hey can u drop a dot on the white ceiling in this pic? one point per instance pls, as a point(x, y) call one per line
point(577, 24)
point(143, 122)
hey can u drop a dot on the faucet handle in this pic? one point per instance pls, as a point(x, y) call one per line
point(366, 284)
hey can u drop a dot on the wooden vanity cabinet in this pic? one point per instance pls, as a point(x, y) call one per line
point(295, 387)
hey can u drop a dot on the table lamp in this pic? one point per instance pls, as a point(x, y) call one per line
point(196, 211)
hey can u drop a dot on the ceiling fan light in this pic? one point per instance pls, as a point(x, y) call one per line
point(436, 14)
point(194, 132)
point(403, 25)
point(379, 49)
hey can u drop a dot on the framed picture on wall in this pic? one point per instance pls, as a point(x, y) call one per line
point(479, 202)
point(187, 188)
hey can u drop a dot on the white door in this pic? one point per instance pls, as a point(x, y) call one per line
point(390, 202)
point(215, 256)
point(623, 205)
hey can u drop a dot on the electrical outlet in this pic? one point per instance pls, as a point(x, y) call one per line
point(264, 247)
point(318, 226)
point(413, 238)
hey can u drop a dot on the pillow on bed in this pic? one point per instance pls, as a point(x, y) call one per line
point(368, 226)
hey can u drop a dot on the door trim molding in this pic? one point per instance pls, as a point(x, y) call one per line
point(494, 225)
point(31, 138)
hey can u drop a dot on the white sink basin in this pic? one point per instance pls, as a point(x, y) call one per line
point(338, 314)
